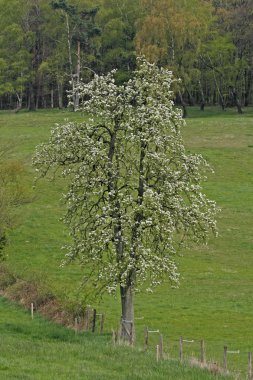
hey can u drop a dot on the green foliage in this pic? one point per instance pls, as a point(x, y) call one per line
point(39, 53)
point(116, 47)
point(14, 67)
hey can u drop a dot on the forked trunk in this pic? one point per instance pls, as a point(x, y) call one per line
point(127, 332)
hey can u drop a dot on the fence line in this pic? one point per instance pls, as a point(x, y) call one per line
point(90, 316)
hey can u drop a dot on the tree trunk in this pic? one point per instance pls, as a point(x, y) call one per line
point(38, 94)
point(77, 76)
point(222, 99)
point(52, 97)
point(31, 103)
point(10, 101)
point(127, 291)
point(218, 88)
point(19, 103)
point(233, 95)
point(70, 61)
point(127, 320)
point(236, 100)
point(183, 104)
point(60, 92)
point(248, 85)
point(222, 104)
point(190, 97)
point(44, 101)
point(202, 103)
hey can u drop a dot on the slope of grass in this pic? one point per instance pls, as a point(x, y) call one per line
point(36, 350)
point(215, 296)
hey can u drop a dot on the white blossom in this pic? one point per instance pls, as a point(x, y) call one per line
point(134, 193)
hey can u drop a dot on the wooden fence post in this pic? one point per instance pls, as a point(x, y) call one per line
point(75, 325)
point(157, 353)
point(225, 362)
point(181, 348)
point(202, 352)
point(249, 366)
point(86, 319)
point(32, 309)
point(94, 320)
point(146, 339)
point(161, 347)
point(113, 337)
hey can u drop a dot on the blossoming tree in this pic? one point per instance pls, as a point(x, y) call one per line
point(134, 193)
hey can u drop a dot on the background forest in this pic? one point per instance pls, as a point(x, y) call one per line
point(47, 47)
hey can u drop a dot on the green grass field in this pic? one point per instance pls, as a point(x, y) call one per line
point(214, 301)
point(35, 349)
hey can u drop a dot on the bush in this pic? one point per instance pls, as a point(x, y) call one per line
point(27, 292)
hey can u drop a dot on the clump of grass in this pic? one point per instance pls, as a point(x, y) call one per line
point(212, 367)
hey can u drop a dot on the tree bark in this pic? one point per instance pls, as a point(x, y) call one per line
point(218, 87)
point(77, 76)
point(221, 97)
point(248, 86)
point(38, 93)
point(31, 102)
point(52, 97)
point(236, 101)
point(183, 104)
point(70, 59)
point(60, 94)
point(127, 292)
point(127, 307)
point(190, 97)
point(19, 103)
point(202, 103)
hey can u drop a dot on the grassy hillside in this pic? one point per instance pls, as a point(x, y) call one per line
point(215, 297)
point(38, 350)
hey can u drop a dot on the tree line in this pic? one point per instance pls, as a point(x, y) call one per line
point(48, 47)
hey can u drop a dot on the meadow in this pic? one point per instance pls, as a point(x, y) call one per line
point(39, 350)
point(214, 300)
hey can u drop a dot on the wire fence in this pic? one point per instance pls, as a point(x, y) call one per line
point(206, 354)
